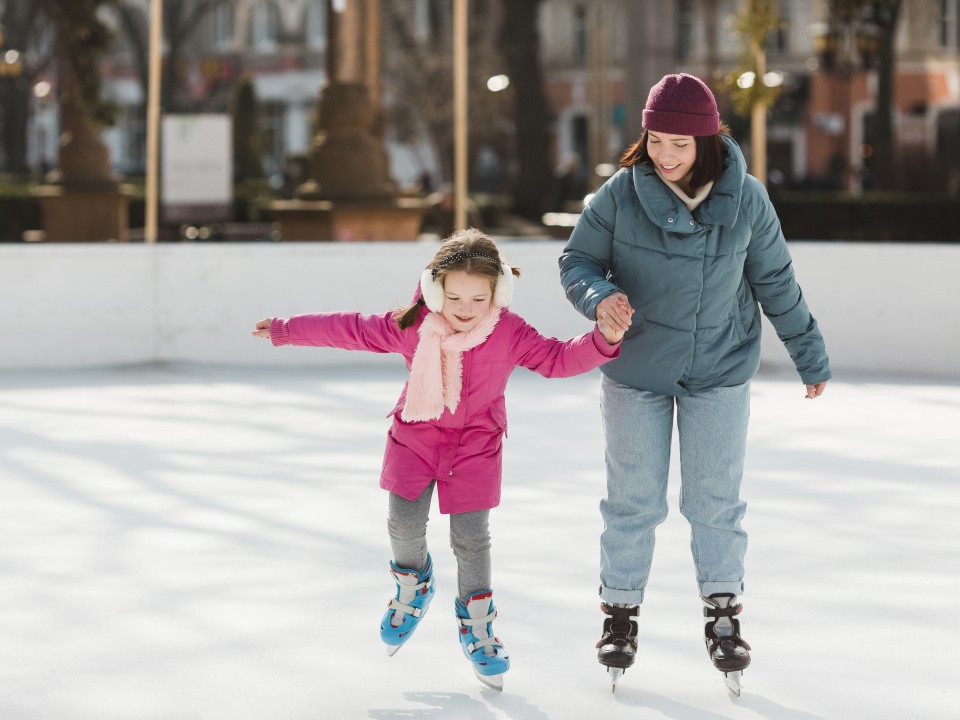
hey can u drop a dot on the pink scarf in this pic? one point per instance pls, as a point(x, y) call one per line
point(436, 372)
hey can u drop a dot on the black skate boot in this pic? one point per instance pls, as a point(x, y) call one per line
point(729, 652)
point(618, 646)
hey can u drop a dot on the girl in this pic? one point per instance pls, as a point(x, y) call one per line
point(679, 248)
point(460, 344)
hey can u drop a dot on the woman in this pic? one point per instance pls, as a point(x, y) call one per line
point(681, 248)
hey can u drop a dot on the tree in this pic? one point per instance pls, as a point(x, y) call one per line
point(83, 178)
point(21, 29)
point(81, 40)
point(181, 18)
point(247, 142)
point(885, 14)
point(749, 92)
point(874, 25)
point(418, 72)
point(72, 33)
point(520, 42)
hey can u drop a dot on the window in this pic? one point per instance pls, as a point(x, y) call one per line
point(620, 32)
point(132, 123)
point(421, 20)
point(950, 24)
point(273, 127)
point(684, 29)
point(265, 27)
point(221, 27)
point(580, 35)
point(728, 44)
point(317, 24)
point(779, 41)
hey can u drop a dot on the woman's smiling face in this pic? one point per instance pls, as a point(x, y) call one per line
point(673, 155)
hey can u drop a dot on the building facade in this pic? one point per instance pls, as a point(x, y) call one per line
point(599, 57)
point(602, 56)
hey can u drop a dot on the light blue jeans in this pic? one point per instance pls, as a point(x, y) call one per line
point(638, 425)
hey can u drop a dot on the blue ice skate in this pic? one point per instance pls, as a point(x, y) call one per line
point(414, 593)
point(482, 648)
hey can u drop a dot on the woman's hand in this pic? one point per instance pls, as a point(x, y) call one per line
point(815, 391)
point(615, 312)
point(263, 329)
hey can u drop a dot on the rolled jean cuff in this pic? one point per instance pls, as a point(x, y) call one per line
point(733, 587)
point(623, 597)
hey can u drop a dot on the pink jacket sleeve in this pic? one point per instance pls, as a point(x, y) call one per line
point(345, 330)
point(554, 358)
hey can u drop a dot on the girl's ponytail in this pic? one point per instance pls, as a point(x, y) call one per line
point(408, 315)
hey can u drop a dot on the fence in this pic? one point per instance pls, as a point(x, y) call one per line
point(888, 308)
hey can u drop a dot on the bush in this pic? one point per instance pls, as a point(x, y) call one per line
point(19, 211)
point(877, 217)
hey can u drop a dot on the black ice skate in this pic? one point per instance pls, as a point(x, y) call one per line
point(618, 646)
point(729, 652)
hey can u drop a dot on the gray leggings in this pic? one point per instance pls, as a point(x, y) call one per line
point(469, 538)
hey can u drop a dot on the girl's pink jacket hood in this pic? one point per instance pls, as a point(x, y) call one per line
point(461, 450)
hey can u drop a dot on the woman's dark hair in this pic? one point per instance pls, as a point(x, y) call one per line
point(707, 167)
point(468, 250)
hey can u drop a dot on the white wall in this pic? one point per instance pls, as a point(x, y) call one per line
point(882, 307)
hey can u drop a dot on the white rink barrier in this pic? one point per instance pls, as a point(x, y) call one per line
point(886, 308)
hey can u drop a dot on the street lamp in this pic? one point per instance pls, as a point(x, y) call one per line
point(498, 83)
point(11, 64)
point(14, 95)
point(43, 96)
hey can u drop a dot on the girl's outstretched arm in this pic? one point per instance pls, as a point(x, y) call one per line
point(560, 358)
point(346, 330)
point(262, 329)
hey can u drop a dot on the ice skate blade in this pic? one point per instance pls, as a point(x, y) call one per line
point(494, 682)
point(733, 682)
point(615, 675)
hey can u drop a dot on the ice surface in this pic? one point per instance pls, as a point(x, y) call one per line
point(189, 542)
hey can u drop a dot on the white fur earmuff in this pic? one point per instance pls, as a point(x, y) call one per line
point(503, 292)
point(433, 296)
point(432, 291)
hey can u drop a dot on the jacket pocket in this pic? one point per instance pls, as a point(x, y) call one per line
point(739, 330)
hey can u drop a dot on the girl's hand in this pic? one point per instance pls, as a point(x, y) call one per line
point(263, 329)
point(611, 335)
point(615, 312)
point(815, 391)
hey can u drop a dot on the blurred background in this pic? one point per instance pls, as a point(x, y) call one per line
point(848, 110)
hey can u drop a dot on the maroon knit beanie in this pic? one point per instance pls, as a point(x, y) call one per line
point(681, 105)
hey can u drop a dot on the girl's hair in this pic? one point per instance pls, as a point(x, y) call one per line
point(707, 166)
point(468, 250)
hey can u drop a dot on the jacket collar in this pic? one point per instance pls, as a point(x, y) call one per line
point(721, 206)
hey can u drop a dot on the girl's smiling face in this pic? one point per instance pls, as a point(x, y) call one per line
point(466, 299)
point(673, 155)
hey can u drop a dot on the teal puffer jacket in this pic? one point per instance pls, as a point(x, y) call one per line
point(696, 280)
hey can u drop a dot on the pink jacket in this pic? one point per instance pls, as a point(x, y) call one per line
point(461, 450)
